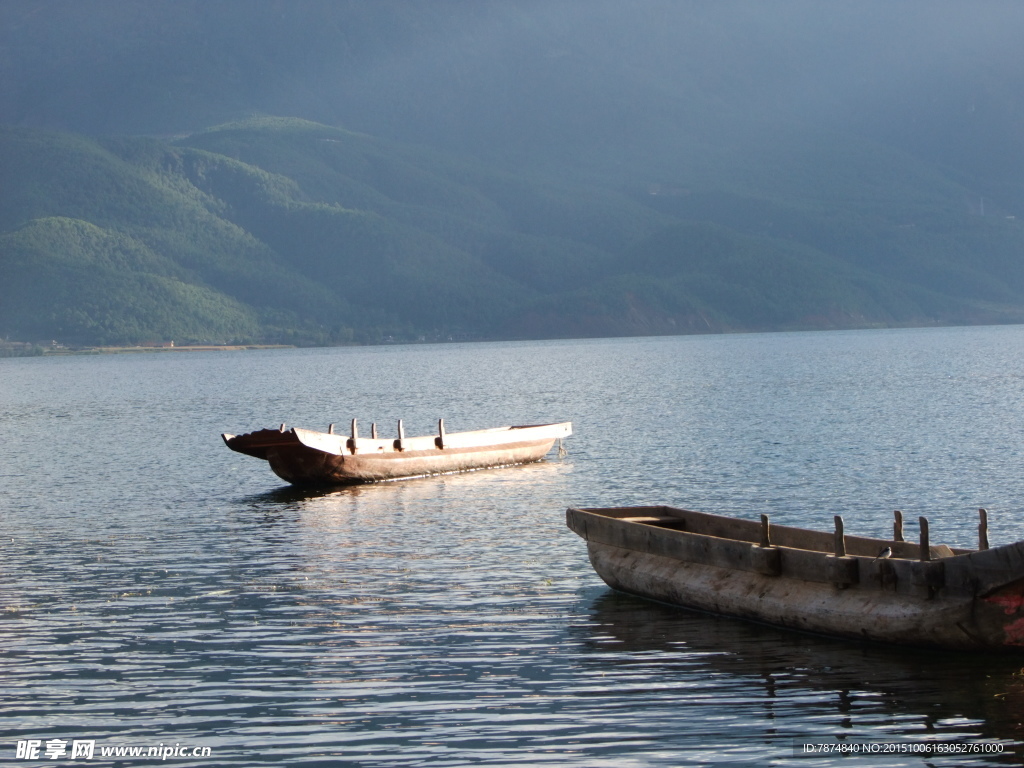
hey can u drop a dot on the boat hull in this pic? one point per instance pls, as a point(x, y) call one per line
point(304, 466)
point(970, 601)
point(805, 606)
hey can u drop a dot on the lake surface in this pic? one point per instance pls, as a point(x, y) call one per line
point(157, 588)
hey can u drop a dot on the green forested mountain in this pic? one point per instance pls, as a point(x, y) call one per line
point(504, 169)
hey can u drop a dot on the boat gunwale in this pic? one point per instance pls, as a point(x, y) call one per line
point(257, 442)
point(661, 516)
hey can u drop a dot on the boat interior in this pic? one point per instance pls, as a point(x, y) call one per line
point(765, 533)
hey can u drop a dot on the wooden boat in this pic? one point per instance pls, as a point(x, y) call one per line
point(307, 457)
point(828, 583)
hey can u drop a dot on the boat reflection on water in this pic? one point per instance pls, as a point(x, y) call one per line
point(295, 497)
point(487, 484)
point(291, 495)
point(871, 691)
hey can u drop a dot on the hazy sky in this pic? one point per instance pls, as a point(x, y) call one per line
point(584, 77)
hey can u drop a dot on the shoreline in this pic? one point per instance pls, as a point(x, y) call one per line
point(41, 351)
point(182, 348)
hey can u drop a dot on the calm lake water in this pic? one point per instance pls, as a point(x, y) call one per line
point(156, 588)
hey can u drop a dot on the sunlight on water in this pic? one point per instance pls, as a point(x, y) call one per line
point(155, 587)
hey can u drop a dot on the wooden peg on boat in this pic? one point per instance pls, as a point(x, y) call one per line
point(373, 430)
point(840, 538)
point(926, 551)
point(897, 526)
point(766, 559)
point(440, 433)
point(330, 429)
point(400, 442)
point(355, 436)
point(983, 529)
point(841, 570)
point(283, 427)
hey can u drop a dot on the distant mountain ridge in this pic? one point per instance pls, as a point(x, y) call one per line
point(518, 171)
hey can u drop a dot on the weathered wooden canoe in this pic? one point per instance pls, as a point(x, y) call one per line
point(827, 583)
point(307, 457)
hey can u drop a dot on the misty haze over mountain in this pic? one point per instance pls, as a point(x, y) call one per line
point(553, 168)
